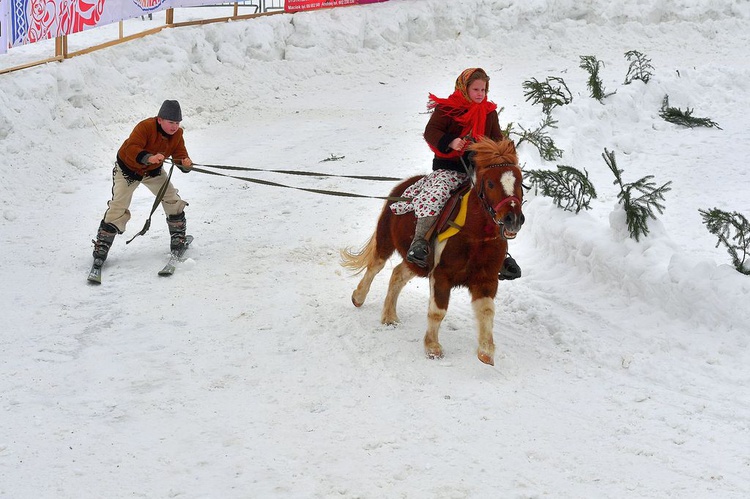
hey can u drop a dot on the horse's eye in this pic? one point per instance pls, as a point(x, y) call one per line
point(490, 184)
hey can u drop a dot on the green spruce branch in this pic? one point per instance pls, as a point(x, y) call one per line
point(638, 208)
point(595, 85)
point(640, 67)
point(551, 93)
point(568, 187)
point(540, 139)
point(684, 118)
point(732, 230)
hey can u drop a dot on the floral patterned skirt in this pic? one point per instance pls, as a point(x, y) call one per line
point(430, 193)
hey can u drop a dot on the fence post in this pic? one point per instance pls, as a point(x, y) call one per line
point(61, 47)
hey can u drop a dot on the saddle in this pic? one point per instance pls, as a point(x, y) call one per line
point(453, 215)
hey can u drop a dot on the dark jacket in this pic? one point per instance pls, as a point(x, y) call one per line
point(441, 130)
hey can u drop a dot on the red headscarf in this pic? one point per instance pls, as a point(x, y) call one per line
point(463, 110)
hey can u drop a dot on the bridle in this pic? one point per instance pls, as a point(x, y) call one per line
point(492, 210)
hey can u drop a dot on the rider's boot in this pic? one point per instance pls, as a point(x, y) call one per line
point(419, 248)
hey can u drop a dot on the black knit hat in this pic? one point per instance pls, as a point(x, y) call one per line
point(170, 110)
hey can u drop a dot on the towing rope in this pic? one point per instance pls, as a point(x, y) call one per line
point(302, 173)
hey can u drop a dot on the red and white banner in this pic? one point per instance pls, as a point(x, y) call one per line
point(29, 21)
point(35, 20)
point(297, 5)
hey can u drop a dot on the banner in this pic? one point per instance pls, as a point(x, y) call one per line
point(3, 26)
point(35, 20)
point(297, 5)
point(28, 21)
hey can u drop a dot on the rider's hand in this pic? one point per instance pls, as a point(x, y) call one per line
point(457, 144)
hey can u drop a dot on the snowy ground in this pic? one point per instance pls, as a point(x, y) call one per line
point(622, 368)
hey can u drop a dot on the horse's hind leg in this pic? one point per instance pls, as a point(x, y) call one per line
point(374, 266)
point(439, 297)
point(399, 277)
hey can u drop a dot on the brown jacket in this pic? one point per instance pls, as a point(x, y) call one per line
point(148, 138)
point(441, 129)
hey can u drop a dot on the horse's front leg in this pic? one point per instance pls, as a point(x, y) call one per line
point(484, 310)
point(399, 277)
point(440, 293)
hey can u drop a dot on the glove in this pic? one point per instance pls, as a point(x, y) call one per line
point(185, 165)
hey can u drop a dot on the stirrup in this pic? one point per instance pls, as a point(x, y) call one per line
point(417, 253)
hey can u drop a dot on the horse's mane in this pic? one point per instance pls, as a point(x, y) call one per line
point(488, 152)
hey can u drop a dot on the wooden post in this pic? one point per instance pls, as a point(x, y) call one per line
point(170, 16)
point(61, 47)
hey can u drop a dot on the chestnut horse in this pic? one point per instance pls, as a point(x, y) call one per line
point(471, 258)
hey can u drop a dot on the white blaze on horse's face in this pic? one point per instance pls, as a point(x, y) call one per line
point(508, 181)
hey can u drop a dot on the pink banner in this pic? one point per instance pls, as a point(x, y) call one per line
point(297, 5)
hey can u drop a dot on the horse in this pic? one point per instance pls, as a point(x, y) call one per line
point(470, 258)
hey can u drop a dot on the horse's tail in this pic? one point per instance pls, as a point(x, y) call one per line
point(358, 260)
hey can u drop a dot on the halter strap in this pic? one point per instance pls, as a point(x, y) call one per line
point(492, 210)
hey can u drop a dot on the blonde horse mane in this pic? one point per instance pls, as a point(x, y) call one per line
point(488, 152)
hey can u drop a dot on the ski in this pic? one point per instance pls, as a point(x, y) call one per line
point(174, 258)
point(95, 274)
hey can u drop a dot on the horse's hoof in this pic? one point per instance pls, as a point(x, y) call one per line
point(434, 352)
point(356, 303)
point(486, 358)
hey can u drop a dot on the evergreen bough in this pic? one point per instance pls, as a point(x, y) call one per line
point(638, 208)
point(685, 118)
point(568, 187)
point(640, 67)
point(596, 87)
point(550, 93)
point(733, 230)
point(540, 139)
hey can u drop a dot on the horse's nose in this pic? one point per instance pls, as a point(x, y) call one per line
point(514, 220)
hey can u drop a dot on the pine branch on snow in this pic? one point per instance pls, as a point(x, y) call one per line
point(551, 93)
point(568, 187)
point(540, 139)
point(640, 67)
point(684, 118)
point(733, 230)
point(596, 87)
point(638, 209)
